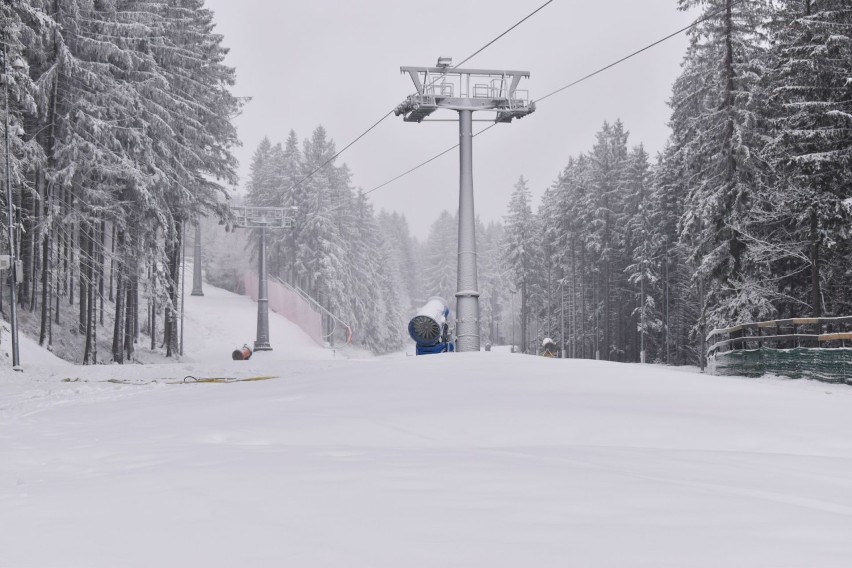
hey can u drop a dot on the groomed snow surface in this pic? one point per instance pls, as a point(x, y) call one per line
point(485, 459)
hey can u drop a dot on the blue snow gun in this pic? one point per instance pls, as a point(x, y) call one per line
point(429, 328)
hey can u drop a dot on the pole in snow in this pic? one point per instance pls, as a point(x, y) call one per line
point(182, 282)
point(196, 263)
point(446, 87)
point(262, 341)
point(562, 314)
point(263, 218)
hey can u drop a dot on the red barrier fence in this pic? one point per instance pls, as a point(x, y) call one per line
point(289, 304)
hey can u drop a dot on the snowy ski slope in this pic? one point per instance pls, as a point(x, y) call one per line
point(486, 459)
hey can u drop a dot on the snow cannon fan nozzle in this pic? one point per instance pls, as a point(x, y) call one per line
point(429, 329)
point(426, 326)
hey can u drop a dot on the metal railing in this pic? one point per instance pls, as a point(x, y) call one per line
point(317, 306)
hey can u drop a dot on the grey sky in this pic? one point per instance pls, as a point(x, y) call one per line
point(336, 63)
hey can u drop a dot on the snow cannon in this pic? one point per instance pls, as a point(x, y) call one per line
point(429, 328)
point(549, 347)
point(241, 354)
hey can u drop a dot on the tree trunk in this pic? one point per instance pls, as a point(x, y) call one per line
point(47, 266)
point(84, 275)
point(120, 296)
point(816, 297)
point(172, 282)
point(89, 348)
point(129, 322)
point(153, 326)
point(100, 275)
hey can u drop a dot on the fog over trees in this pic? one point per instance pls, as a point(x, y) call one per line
point(121, 138)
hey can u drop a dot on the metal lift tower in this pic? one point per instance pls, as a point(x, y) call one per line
point(263, 218)
point(465, 91)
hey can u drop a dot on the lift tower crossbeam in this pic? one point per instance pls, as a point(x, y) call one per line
point(465, 91)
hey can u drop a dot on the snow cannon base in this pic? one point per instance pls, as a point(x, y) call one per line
point(434, 349)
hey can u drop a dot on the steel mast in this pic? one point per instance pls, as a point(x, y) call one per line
point(465, 91)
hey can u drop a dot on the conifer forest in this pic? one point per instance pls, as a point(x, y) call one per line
point(745, 216)
point(120, 139)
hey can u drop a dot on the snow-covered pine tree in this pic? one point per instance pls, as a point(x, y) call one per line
point(521, 251)
point(493, 284)
point(257, 185)
point(285, 243)
point(193, 149)
point(571, 187)
point(810, 108)
point(546, 299)
point(644, 272)
point(605, 239)
point(22, 33)
point(321, 254)
point(129, 128)
point(378, 320)
point(84, 86)
point(267, 187)
point(440, 264)
point(680, 307)
point(403, 261)
point(714, 126)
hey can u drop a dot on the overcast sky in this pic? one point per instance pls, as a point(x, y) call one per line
point(336, 63)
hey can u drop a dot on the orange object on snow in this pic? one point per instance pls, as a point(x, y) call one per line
point(241, 354)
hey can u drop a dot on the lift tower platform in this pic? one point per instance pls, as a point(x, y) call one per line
point(465, 91)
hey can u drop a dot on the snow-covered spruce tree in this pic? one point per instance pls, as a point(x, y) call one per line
point(84, 86)
point(714, 126)
point(378, 321)
point(326, 216)
point(810, 107)
point(23, 35)
point(267, 188)
point(127, 131)
point(404, 266)
point(493, 283)
point(605, 239)
point(440, 264)
point(546, 301)
point(192, 107)
point(521, 250)
point(574, 220)
point(644, 272)
point(284, 244)
point(259, 182)
point(275, 173)
point(680, 306)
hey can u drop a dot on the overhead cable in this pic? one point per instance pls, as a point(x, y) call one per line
point(559, 90)
point(390, 112)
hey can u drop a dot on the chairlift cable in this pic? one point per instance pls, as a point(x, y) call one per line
point(390, 112)
point(559, 90)
point(635, 53)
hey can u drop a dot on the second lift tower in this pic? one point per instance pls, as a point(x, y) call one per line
point(465, 91)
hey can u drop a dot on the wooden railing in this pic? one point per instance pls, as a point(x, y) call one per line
point(819, 348)
point(783, 333)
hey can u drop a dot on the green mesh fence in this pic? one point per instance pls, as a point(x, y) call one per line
point(829, 365)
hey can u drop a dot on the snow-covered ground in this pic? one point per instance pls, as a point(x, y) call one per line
point(487, 459)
